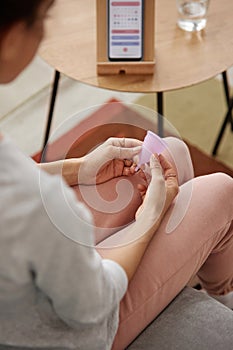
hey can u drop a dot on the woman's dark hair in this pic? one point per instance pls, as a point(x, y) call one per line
point(12, 11)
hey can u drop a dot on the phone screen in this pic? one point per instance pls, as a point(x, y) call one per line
point(125, 30)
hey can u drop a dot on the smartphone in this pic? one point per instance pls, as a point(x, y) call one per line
point(125, 30)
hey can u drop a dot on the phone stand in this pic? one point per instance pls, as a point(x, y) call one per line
point(147, 64)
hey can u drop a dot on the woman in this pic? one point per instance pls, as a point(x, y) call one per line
point(60, 293)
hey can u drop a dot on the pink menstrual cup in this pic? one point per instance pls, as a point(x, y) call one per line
point(152, 144)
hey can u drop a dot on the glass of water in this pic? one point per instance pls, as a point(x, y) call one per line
point(192, 14)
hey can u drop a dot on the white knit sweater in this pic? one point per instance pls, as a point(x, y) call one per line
point(54, 292)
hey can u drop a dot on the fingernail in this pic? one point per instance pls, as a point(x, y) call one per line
point(155, 156)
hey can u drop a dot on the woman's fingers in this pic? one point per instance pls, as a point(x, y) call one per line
point(167, 166)
point(164, 177)
point(123, 148)
point(142, 189)
point(163, 187)
point(170, 177)
point(127, 153)
point(124, 142)
point(156, 168)
point(128, 162)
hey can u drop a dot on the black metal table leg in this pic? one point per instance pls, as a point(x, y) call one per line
point(228, 118)
point(224, 124)
point(226, 87)
point(50, 114)
point(160, 114)
point(227, 94)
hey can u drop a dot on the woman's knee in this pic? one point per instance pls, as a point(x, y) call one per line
point(179, 153)
point(177, 145)
point(223, 186)
point(217, 190)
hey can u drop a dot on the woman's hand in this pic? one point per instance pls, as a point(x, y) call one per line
point(112, 159)
point(130, 244)
point(161, 191)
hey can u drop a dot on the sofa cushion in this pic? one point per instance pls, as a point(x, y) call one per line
point(191, 321)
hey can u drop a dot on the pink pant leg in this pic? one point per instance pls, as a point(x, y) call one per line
point(172, 259)
point(202, 242)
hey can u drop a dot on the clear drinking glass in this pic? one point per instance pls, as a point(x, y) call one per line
point(192, 14)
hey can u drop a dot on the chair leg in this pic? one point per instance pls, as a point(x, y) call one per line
point(50, 114)
point(228, 118)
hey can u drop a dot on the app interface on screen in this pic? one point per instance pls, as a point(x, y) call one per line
point(125, 29)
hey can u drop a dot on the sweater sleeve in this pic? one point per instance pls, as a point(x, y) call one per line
point(82, 286)
point(48, 232)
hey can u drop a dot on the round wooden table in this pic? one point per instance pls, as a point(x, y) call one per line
point(182, 58)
